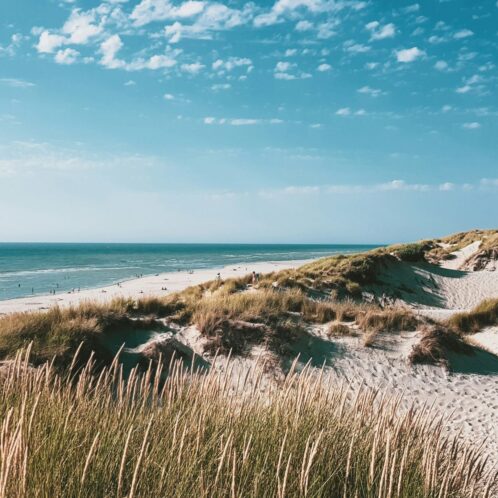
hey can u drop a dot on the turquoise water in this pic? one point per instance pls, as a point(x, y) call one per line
point(33, 269)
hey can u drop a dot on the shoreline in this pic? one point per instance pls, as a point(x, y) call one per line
point(160, 284)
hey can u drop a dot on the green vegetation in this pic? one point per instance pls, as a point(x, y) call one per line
point(412, 253)
point(191, 435)
point(58, 332)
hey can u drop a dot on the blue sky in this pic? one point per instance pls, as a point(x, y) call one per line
point(205, 121)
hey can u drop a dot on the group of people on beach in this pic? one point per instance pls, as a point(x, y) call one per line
point(254, 281)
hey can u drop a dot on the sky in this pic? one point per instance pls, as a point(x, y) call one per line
point(300, 121)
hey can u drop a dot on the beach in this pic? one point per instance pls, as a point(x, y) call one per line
point(153, 285)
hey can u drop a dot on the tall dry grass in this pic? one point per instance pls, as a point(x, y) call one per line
point(483, 315)
point(204, 436)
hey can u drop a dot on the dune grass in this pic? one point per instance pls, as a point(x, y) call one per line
point(483, 315)
point(435, 343)
point(458, 241)
point(338, 329)
point(233, 314)
point(58, 332)
point(394, 319)
point(194, 436)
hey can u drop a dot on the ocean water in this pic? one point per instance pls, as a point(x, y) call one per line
point(33, 269)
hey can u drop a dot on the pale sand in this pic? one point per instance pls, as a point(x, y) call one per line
point(468, 397)
point(143, 287)
point(488, 339)
point(461, 256)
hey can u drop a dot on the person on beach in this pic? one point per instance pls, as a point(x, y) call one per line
point(254, 278)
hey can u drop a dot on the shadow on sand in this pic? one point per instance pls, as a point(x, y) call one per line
point(413, 283)
point(480, 362)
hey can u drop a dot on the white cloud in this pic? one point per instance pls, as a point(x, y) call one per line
point(214, 17)
point(109, 49)
point(154, 63)
point(390, 186)
point(411, 8)
point(326, 30)
point(489, 182)
point(241, 121)
point(463, 33)
point(446, 108)
point(304, 26)
point(232, 63)
point(40, 158)
point(16, 83)
point(373, 92)
point(471, 83)
point(283, 70)
point(379, 32)
point(441, 65)
point(80, 27)
point(10, 49)
point(435, 40)
point(324, 67)
point(221, 86)
point(282, 67)
point(66, 56)
point(402, 185)
point(409, 54)
point(284, 76)
point(447, 186)
point(244, 122)
point(463, 89)
point(48, 42)
point(283, 9)
point(148, 11)
point(471, 126)
point(344, 111)
point(168, 96)
point(193, 68)
point(355, 48)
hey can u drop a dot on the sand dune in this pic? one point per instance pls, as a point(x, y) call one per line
point(468, 395)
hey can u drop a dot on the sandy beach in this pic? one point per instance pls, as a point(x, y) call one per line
point(467, 396)
point(152, 285)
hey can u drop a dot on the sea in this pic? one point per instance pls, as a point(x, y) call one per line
point(38, 268)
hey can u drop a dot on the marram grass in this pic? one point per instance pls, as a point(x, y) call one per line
point(199, 434)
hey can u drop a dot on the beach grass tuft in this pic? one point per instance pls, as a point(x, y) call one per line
point(483, 315)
